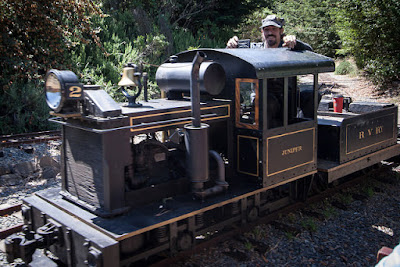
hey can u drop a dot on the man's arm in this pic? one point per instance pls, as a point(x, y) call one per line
point(302, 46)
point(291, 42)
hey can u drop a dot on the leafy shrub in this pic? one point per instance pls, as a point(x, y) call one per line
point(23, 108)
point(185, 40)
point(370, 31)
point(311, 22)
point(36, 35)
point(345, 67)
point(250, 27)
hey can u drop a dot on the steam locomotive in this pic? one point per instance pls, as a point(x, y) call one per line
point(238, 135)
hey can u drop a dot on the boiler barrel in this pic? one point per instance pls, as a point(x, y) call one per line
point(176, 77)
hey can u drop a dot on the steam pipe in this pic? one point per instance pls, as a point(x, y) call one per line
point(220, 184)
point(195, 88)
point(220, 163)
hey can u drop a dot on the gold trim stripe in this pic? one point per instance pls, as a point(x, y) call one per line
point(178, 111)
point(176, 123)
point(303, 130)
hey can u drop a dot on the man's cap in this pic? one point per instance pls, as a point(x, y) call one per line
point(272, 20)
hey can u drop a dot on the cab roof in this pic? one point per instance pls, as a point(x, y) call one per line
point(267, 63)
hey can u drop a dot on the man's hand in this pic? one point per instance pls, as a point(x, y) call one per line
point(233, 42)
point(289, 41)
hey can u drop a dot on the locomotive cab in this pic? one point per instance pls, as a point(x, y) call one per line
point(274, 134)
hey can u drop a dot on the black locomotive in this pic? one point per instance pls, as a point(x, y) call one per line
point(238, 135)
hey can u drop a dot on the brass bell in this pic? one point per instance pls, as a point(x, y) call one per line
point(128, 78)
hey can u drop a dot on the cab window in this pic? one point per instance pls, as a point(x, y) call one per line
point(247, 110)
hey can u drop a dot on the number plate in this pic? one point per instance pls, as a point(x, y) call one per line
point(74, 91)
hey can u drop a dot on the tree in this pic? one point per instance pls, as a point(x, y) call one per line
point(370, 30)
point(311, 21)
point(35, 35)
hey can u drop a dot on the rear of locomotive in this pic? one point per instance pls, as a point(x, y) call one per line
point(148, 177)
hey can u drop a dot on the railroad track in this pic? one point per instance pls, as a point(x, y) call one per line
point(15, 228)
point(269, 218)
point(28, 138)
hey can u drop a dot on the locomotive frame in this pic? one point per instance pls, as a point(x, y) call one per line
point(127, 194)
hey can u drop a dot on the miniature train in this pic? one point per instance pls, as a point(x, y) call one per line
point(237, 137)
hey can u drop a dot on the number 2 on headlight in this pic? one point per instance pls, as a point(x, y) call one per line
point(75, 92)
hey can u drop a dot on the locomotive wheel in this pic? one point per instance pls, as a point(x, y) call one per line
point(300, 189)
point(185, 241)
point(320, 184)
point(252, 215)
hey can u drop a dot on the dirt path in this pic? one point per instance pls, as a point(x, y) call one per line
point(358, 88)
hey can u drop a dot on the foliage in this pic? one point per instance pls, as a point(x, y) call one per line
point(309, 224)
point(222, 14)
point(370, 30)
point(311, 22)
point(123, 45)
point(35, 36)
point(368, 191)
point(248, 246)
point(345, 198)
point(329, 211)
point(194, 15)
point(185, 40)
point(250, 27)
point(345, 67)
point(23, 109)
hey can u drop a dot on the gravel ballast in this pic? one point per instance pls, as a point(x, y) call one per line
point(350, 235)
point(345, 230)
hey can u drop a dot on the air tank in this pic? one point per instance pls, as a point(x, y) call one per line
point(176, 77)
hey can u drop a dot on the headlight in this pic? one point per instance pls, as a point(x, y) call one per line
point(63, 90)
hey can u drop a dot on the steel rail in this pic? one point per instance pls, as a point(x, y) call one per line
point(265, 219)
point(28, 138)
point(15, 228)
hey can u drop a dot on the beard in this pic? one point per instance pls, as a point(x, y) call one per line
point(271, 41)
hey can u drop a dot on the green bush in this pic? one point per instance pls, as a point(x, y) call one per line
point(370, 31)
point(345, 67)
point(23, 108)
point(185, 40)
point(250, 27)
point(122, 43)
point(311, 22)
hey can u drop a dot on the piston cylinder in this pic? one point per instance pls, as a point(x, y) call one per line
point(176, 77)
